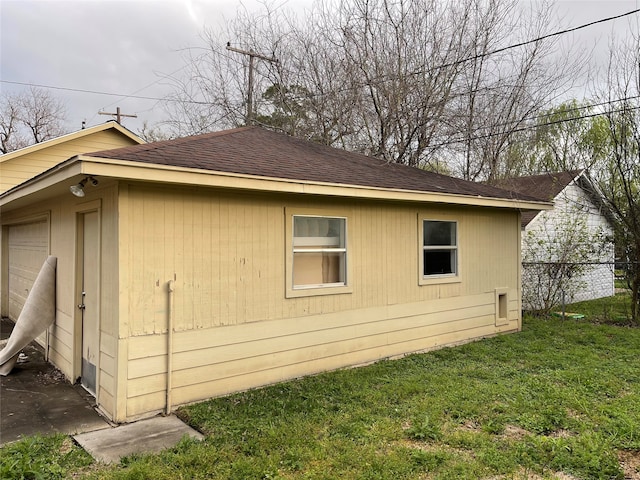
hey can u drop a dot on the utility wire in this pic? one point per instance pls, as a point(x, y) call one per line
point(94, 92)
point(535, 40)
point(446, 65)
point(547, 114)
point(533, 127)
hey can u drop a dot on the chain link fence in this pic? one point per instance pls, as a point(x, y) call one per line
point(549, 285)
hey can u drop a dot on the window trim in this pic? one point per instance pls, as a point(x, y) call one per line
point(292, 291)
point(437, 278)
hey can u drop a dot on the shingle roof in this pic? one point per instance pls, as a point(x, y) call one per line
point(544, 187)
point(259, 152)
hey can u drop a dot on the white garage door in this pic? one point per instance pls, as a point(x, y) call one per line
point(28, 249)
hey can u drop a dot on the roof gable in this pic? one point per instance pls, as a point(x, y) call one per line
point(549, 186)
point(255, 151)
point(20, 165)
point(111, 124)
point(544, 187)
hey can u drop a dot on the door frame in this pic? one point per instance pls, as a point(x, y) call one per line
point(80, 210)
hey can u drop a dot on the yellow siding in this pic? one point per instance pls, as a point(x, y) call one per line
point(16, 170)
point(64, 335)
point(234, 329)
point(221, 360)
point(224, 254)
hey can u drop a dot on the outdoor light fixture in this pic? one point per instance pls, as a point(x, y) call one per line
point(78, 190)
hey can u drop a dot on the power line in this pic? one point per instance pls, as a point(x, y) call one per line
point(567, 111)
point(389, 77)
point(533, 127)
point(528, 42)
point(446, 65)
point(95, 92)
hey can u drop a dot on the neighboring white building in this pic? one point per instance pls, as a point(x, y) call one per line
point(576, 230)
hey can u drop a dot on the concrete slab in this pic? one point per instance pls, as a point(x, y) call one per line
point(144, 436)
point(35, 398)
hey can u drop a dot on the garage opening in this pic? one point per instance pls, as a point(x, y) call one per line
point(28, 248)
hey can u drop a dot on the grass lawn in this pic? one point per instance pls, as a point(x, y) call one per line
point(559, 400)
point(614, 310)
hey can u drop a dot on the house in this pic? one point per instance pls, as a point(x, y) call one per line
point(29, 239)
point(22, 164)
point(578, 229)
point(205, 265)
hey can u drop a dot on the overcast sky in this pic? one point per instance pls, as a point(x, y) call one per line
point(125, 47)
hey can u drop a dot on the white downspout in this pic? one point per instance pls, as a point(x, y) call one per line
point(170, 290)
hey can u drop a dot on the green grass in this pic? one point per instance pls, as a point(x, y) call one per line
point(562, 396)
point(614, 310)
point(40, 457)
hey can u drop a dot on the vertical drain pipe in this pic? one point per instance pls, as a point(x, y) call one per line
point(170, 291)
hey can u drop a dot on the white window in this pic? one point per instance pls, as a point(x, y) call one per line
point(319, 251)
point(439, 248)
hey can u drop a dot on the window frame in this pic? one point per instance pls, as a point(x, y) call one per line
point(293, 291)
point(431, 279)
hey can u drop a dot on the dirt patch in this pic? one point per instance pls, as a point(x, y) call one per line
point(470, 427)
point(67, 446)
point(562, 434)
point(630, 464)
point(514, 432)
point(50, 377)
point(45, 373)
point(526, 475)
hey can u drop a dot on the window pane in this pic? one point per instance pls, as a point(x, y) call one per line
point(317, 268)
point(439, 233)
point(318, 232)
point(439, 262)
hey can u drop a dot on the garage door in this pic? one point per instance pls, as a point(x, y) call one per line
point(28, 249)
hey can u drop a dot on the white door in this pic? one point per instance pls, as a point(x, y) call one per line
point(89, 299)
point(28, 249)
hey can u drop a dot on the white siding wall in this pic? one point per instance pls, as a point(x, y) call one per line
point(598, 280)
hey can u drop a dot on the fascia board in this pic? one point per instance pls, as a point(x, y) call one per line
point(64, 172)
point(179, 175)
point(143, 172)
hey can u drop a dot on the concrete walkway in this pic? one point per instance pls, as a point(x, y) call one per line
point(145, 436)
point(35, 398)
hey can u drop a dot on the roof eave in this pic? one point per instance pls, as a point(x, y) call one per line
point(197, 177)
point(136, 171)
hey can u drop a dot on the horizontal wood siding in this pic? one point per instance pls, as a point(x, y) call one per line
point(108, 372)
point(225, 257)
point(16, 170)
point(220, 360)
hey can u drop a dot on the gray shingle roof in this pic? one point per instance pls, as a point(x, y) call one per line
point(544, 187)
point(259, 152)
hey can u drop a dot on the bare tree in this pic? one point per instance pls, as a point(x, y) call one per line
point(620, 174)
point(29, 117)
point(401, 80)
point(405, 57)
point(502, 91)
point(10, 136)
point(212, 91)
